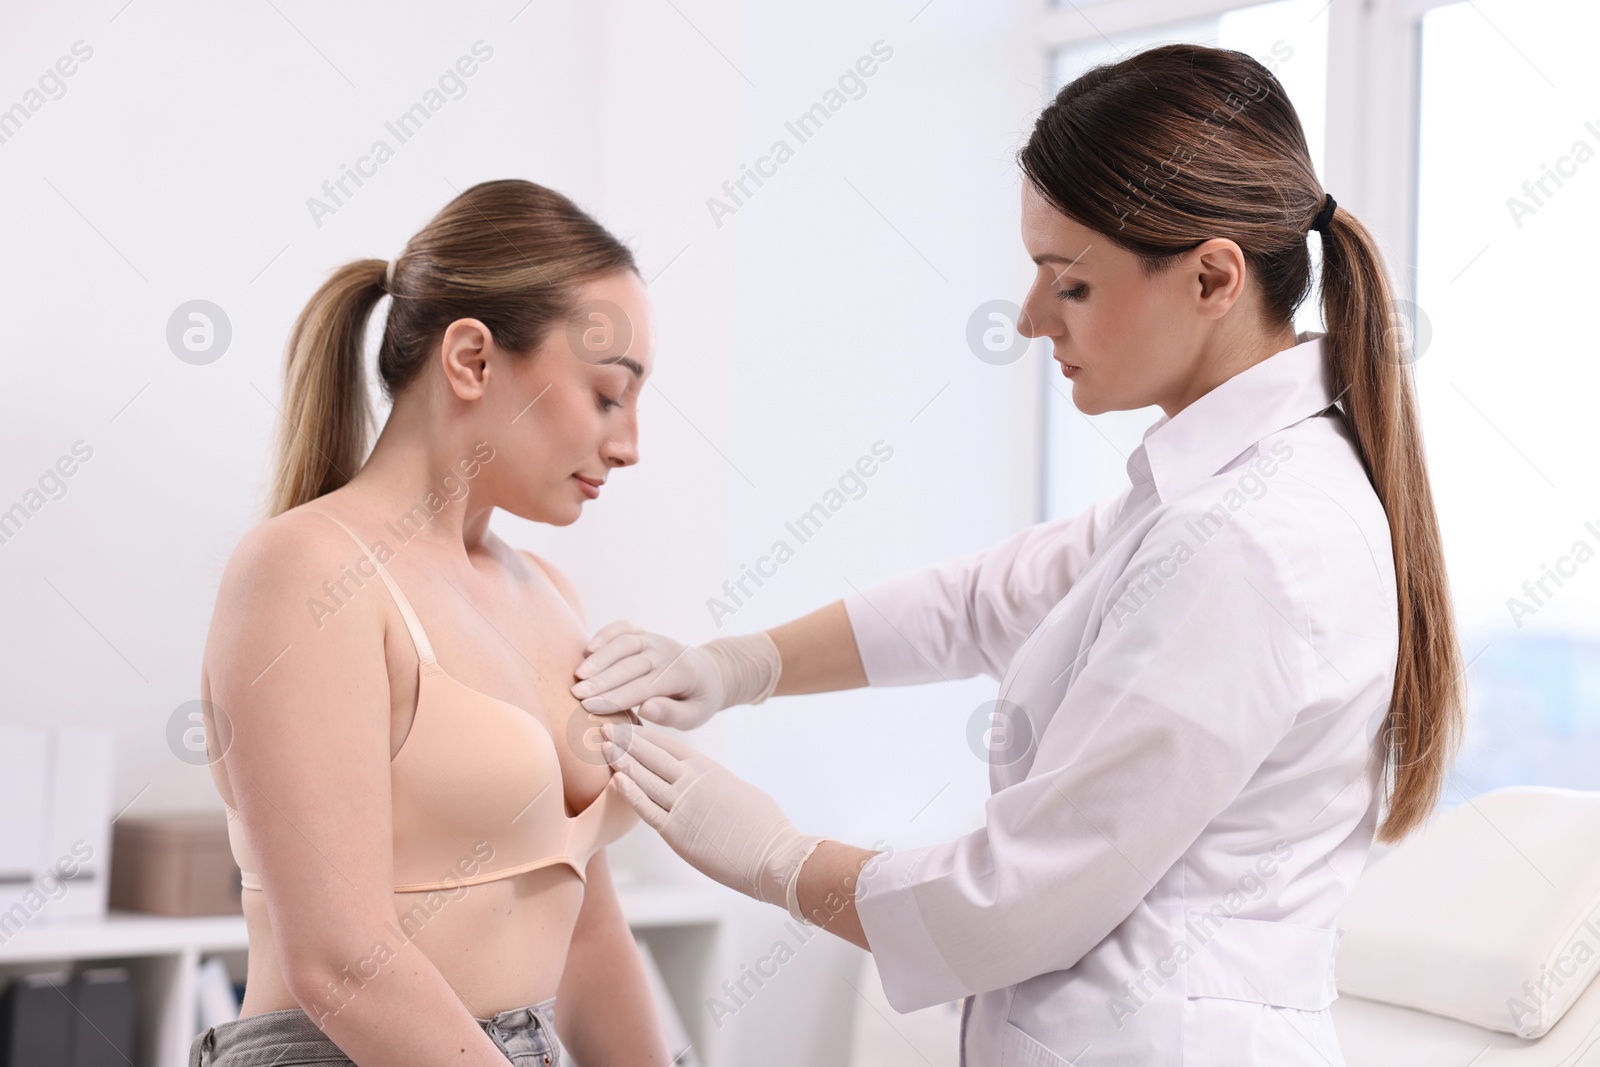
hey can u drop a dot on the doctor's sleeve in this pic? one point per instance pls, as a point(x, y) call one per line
point(968, 615)
point(1185, 691)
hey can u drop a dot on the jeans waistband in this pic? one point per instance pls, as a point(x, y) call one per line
point(290, 1036)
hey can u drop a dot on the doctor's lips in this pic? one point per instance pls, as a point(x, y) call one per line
point(591, 486)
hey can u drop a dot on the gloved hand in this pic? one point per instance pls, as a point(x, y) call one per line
point(673, 684)
point(722, 825)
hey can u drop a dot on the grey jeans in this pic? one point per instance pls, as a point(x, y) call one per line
point(289, 1038)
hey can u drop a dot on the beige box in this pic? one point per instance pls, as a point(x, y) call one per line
point(175, 864)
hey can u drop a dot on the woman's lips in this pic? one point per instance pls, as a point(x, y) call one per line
point(592, 489)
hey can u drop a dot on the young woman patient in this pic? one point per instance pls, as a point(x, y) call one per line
point(419, 822)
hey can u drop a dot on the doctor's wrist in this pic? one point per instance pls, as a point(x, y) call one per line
point(748, 664)
point(825, 889)
point(791, 886)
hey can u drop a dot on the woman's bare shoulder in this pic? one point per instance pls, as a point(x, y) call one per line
point(299, 541)
point(276, 584)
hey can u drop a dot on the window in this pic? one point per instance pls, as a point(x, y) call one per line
point(1508, 176)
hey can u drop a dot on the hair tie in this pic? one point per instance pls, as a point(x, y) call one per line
point(388, 277)
point(1324, 216)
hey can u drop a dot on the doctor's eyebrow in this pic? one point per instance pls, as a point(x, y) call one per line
point(1051, 257)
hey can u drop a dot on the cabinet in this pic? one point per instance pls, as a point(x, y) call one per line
point(680, 924)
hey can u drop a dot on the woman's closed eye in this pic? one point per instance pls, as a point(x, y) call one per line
point(606, 403)
point(1076, 293)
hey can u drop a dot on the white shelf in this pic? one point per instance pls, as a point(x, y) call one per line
point(123, 934)
point(679, 922)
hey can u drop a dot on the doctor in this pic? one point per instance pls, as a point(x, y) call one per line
point(1211, 684)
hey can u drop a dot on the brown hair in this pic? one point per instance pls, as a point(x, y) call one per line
point(508, 253)
point(1169, 147)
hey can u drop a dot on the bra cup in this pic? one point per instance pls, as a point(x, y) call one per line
point(607, 818)
point(620, 816)
point(476, 788)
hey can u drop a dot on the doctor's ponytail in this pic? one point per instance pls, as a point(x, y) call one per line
point(1369, 363)
point(508, 253)
point(1182, 143)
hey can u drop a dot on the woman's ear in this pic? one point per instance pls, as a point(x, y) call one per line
point(1220, 273)
point(464, 352)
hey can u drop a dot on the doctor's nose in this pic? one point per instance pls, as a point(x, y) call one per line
point(1030, 323)
point(1025, 324)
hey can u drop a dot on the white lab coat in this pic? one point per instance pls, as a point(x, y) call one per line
point(1193, 677)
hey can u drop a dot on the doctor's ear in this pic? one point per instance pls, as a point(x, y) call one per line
point(1216, 274)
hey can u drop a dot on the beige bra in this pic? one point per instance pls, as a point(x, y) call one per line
point(476, 787)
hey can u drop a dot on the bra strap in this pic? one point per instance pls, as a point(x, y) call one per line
point(413, 624)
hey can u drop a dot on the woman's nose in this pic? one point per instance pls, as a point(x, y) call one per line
point(622, 452)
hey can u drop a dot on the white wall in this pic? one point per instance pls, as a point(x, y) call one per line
point(822, 316)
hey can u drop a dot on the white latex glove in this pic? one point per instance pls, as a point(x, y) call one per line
point(670, 683)
point(722, 825)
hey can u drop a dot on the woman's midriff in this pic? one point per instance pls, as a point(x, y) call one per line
point(500, 944)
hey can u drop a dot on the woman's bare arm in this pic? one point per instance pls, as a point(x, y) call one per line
point(308, 764)
point(604, 1009)
point(819, 653)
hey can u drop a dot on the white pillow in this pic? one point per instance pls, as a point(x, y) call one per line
point(1489, 915)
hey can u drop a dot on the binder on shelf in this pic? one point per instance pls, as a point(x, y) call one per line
point(55, 825)
point(36, 1020)
point(103, 1034)
point(78, 829)
point(66, 1020)
point(23, 754)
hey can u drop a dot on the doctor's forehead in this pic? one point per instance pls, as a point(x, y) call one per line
point(1051, 238)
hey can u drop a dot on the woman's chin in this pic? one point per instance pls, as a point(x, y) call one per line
point(549, 512)
point(564, 513)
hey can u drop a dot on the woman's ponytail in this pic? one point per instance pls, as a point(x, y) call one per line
point(326, 417)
